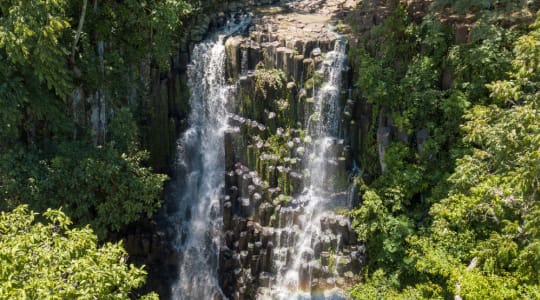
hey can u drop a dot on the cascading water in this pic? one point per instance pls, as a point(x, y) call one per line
point(293, 255)
point(200, 165)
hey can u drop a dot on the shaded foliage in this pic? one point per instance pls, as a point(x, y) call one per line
point(49, 157)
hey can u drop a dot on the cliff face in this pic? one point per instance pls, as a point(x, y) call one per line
point(161, 94)
point(279, 70)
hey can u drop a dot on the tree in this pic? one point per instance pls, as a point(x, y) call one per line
point(477, 173)
point(49, 260)
point(107, 187)
point(487, 229)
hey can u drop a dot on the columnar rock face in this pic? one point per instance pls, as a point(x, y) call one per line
point(276, 66)
point(277, 69)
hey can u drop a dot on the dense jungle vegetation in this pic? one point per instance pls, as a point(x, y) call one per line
point(457, 215)
point(52, 158)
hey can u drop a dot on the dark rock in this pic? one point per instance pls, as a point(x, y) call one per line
point(325, 258)
point(254, 55)
point(234, 58)
point(227, 215)
point(242, 241)
point(230, 139)
point(265, 279)
point(343, 264)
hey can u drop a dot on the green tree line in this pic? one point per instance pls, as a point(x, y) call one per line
point(458, 216)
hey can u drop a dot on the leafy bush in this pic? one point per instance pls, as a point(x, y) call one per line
point(44, 260)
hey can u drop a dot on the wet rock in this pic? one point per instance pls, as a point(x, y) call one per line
point(232, 48)
point(317, 248)
point(265, 279)
point(315, 268)
point(343, 264)
point(298, 68)
point(267, 236)
point(230, 139)
point(251, 190)
point(226, 260)
point(329, 283)
point(316, 52)
point(255, 265)
point(230, 179)
point(325, 258)
point(242, 241)
point(256, 199)
point(349, 276)
point(229, 238)
point(239, 224)
point(324, 221)
point(307, 72)
point(257, 247)
point(297, 182)
point(333, 224)
point(245, 182)
point(304, 278)
point(343, 230)
point(254, 55)
point(265, 213)
point(357, 261)
point(233, 193)
point(227, 215)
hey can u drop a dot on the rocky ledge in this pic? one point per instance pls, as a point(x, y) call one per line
point(289, 37)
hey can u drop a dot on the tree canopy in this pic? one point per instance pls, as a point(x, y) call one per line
point(458, 216)
point(43, 258)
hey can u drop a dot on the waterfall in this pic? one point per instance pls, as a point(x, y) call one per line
point(200, 167)
point(295, 253)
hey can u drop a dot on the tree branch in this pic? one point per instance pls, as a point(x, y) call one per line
point(79, 30)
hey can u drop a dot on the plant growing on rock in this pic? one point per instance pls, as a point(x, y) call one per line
point(268, 79)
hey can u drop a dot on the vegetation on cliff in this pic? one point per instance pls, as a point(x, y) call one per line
point(454, 214)
point(57, 150)
point(73, 113)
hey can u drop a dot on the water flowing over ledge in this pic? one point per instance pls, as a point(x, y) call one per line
point(288, 165)
point(315, 201)
point(200, 163)
point(263, 169)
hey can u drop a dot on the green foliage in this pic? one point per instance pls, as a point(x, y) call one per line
point(485, 59)
point(480, 239)
point(47, 155)
point(30, 35)
point(34, 76)
point(97, 186)
point(47, 158)
point(269, 80)
point(48, 260)
point(467, 6)
point(136, 29)
point(525, 77)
